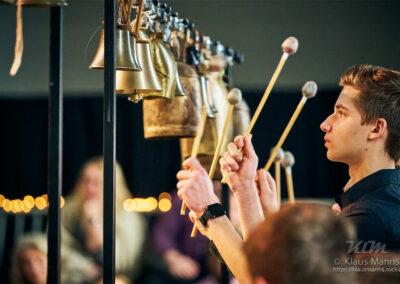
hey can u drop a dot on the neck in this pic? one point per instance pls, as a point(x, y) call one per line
point(367, 166)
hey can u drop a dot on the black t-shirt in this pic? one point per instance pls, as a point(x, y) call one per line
point(373, 204)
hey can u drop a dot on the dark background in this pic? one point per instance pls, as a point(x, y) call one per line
point(151, 165)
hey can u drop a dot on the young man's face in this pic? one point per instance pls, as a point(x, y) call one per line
point(345, 137)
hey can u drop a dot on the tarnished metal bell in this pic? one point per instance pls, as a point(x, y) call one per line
point(126, 54)
point(179, 91)
point(178, 117)
point(137, 84)
point(46, 3)
point(164, 64)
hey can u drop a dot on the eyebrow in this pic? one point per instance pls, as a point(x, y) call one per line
point(340, 106)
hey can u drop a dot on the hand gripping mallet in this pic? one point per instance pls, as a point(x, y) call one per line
point(289, 46)
point(287, 164)
point(234, 98)
point(309, 90)
point(196, 143)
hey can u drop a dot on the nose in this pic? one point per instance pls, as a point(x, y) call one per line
point(325, 125)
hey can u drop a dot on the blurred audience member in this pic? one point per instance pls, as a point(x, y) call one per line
point(82, 223)
point(29, 260)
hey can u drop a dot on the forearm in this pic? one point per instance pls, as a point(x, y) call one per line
point(229, 245)
point(250, 209)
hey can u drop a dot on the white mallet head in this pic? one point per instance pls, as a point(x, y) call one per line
point(309, 89)
point(279, 154)
point(234, 96)
point(290, 45)
point(288, 160)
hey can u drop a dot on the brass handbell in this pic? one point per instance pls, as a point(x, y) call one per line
point(126, 55)
point(164, 63)
point(136, 84)
point(47, 3)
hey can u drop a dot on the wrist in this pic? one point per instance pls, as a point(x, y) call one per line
point(245, 189)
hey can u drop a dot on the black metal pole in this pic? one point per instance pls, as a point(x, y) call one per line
point(55, 145)
point(109, 137)
point(225, 202)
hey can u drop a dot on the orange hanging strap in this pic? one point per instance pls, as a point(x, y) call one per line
point(19, 42)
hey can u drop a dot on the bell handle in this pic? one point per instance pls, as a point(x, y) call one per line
point(128, 8)
point(138, 20)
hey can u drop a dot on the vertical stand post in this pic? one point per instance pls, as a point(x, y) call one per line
point(109, 138)
point(225, 202)
point(55, 145)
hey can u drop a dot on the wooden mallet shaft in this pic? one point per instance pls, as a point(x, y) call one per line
point(289, 46)
point(289, 183)
point(287, 163)
point(309, 91)
point(278, 159)
point(234, 97)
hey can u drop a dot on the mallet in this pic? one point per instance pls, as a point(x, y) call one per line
point(309, 90)
point(289, 46)
point(287, 164)
point(196, 143)
point(234, 97)
point(278, 160)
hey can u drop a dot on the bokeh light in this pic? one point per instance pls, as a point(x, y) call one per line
point(62, 202)
point(1, 199)
point(6, 205)
point(29, 201)
point(40, 203)
point(164, 205)
point(151, 204)
point(164, 195)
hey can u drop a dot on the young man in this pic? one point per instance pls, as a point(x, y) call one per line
point(364, 133)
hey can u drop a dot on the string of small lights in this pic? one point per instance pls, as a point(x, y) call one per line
point(25, 205)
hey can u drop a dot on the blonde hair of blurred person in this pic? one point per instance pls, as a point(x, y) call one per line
point(82, 217)
point(29, 260)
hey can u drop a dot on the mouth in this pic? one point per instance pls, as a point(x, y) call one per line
point(326, 141)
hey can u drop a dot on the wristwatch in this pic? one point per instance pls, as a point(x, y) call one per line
point(212, 211)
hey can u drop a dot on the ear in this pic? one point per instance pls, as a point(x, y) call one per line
point(379, 129)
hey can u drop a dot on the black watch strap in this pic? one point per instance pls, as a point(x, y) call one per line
point(212, 211)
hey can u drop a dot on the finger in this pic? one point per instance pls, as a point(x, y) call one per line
point(234, 152)
point(249, 149)
point(193, 163)
point(224, 165)
point(231, 162)
point(185, 174)
point(193, 217)
point(262, 182)
point(271, 182)
point(239, 141)
point(182, 183)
